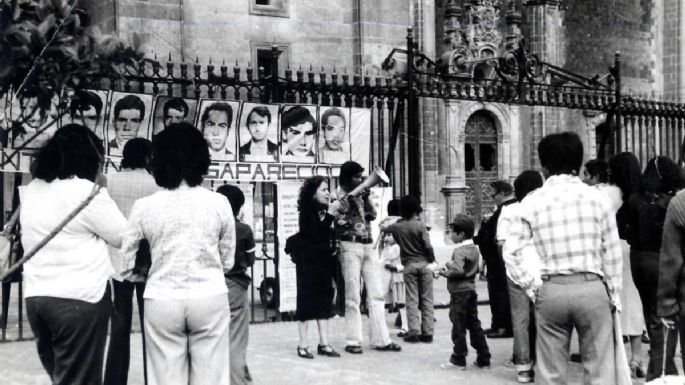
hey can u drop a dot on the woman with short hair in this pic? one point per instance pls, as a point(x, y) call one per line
point(67, 297)
point(191, 232)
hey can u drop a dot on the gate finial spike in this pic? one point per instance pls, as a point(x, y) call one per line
point(169, 56)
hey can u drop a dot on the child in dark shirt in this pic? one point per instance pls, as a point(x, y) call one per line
point(238, 282)
point(416, 254)
point(461, 272)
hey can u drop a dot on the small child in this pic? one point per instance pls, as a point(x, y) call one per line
point(238, 281)
point(461, 272)
point(416, 253)
point(392, 279)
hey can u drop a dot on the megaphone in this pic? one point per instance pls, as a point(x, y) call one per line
point(376, 177)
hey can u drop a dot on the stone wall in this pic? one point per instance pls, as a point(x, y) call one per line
point(345, 34)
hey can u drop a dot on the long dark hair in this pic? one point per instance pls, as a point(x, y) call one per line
point(305, 202)
point(662, 175)
point(624, 172)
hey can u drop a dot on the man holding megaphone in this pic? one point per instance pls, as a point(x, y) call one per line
point(353, 213)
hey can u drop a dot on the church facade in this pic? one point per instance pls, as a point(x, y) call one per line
point(465, 145)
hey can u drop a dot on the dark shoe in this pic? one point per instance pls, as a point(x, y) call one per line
point(412, 337)
point(426, 338)
point(354, 349)
point(482, 363)
point(326, 350)
point(402, 333)
point(455, 362)
point(458, 361)
point(645, 337)
point(526, 376)
point(391, 347)
point(304, 353)
point(575, 357)
point(500, 333)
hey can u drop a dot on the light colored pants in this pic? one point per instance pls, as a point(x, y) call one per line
point(361, 261)
point(418, 283)
point(577, 301)
point(239, 332)
point(524, 333)
point(187, 341)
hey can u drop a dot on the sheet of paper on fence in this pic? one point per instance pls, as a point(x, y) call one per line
point(286, 194)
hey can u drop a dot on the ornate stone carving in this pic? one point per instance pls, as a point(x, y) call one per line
point(473, 35)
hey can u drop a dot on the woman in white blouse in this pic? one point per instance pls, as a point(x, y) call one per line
point(191, 232)
point(67, 298)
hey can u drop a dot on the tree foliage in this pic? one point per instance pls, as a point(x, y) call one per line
point(45, 46)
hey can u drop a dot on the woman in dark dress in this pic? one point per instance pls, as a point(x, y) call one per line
point(315, 265)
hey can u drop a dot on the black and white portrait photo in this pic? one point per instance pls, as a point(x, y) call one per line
point(217, 121)
point(88, 107)
point(258, 133)
point(334, 139)
point(129, 118)
point(298, 134)
point(169, 110)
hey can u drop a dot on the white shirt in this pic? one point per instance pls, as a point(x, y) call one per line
point(75, 264)
point(191, 232)
point(126, 187)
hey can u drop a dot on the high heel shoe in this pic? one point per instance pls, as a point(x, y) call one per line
point(636, 370)
point(304, 353)
point(326, 350)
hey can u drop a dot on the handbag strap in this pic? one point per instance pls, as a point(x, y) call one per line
point(53, 233)
point(11, 222)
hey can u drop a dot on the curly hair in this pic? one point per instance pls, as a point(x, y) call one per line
point(662, 175)
point(179, 153)
point(306, 199)
point(74, 150)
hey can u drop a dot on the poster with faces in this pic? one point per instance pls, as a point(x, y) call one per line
point(299, 126)
point(334, 135)
point(258, 133)
point(129, 117)
point(87, 108)
point(169, 110)
point(217, 120)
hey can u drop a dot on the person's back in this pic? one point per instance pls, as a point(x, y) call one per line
point(573, 230)
point(183, 226)
point(412, 237)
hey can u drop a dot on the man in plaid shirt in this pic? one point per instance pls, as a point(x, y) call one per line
point(569, 230)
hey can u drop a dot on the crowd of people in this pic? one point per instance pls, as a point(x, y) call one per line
point(562, 254)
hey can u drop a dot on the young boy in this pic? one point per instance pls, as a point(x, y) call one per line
point(238, 281)
point(416, 253)
point(461, 272)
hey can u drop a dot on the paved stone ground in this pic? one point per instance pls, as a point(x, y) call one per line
point(273, 360)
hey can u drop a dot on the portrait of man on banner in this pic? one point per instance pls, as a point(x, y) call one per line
point(32, 115)
point(129, 118)
point(298, 134)
point(217, 122)
point(334, 139)
point(169, 110)
point(258, 133)
point(87, 107)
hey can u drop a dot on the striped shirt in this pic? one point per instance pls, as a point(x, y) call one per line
point(573, 230)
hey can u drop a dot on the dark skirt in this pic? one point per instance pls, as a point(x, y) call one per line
point(315, 289)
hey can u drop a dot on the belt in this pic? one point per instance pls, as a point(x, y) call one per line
point(570, 278)
point(356, 239)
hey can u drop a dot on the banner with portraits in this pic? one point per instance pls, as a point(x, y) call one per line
point(247, 141)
